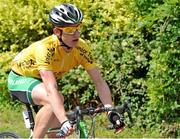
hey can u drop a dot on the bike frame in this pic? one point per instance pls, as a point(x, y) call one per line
point(83, 132)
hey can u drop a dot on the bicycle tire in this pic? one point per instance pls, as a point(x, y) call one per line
point(9, 135)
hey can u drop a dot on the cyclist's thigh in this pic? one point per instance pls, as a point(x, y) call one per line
point(40, 95)
point(21, 87)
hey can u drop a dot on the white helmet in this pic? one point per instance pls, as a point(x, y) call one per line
point(65, 15)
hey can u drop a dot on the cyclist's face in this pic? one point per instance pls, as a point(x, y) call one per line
point(70, 35)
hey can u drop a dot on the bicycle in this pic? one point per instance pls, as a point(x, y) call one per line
point(76, 118)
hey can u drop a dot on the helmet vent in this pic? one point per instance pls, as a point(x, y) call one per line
point(57, 13)
point(65, 17)
point(71, 9)
point(70, 15)
point(61, 9)
point(76, 13)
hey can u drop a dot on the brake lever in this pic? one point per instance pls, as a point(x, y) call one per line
point(128, 110)
point(125, 108)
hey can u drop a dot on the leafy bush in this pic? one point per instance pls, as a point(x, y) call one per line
point(136, 45)
point(5, 61)
point(22, 22)
point(160, 29)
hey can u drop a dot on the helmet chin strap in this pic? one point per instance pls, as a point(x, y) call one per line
point(63, 44)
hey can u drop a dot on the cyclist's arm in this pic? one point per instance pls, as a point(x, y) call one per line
point(101, 86)
point(55, 98)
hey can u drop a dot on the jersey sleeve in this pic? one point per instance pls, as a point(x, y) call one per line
point(44, 57)
point(87, 60)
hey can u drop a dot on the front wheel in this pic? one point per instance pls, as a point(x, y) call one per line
point(9, 135)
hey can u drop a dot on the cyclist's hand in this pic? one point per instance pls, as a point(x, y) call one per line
point(117, 121)
point(66, 129)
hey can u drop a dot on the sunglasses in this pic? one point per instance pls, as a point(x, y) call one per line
point(70, 30)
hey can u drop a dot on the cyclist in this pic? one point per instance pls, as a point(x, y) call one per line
point(35, 70)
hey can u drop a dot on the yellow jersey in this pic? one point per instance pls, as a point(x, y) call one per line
point(48, 54)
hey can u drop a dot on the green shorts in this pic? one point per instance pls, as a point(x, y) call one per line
point(20, 87)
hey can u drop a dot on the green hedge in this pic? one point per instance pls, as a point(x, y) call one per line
point(135, 42)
